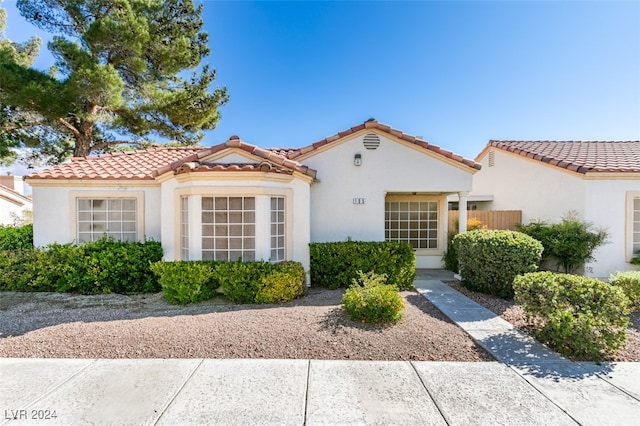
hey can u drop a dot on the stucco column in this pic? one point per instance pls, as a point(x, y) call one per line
point(462, 211)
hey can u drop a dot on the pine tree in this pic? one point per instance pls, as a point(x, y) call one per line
point(120, 71)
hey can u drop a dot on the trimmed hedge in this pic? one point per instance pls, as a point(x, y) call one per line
point(103, 266)
point(629, 282)
point(16, 237)
point(260, 281)
point(369, 299)
point(186, 282)
point(580, 317)
point(489, 260)
point(336, 264)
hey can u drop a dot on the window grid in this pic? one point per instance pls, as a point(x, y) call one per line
point(636, 225)
point(184, 228)
point(228, 228)
point(277, 230)
point(114, 217)
point(412, 222)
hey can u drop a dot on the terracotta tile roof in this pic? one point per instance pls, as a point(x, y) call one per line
point(373, 124)
point(150, 163)
point(130, 165)
point(579, 156)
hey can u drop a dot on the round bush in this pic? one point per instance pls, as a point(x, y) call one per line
point(580, 317)
point(284, 283)
point(370, 300)
point(489, 260)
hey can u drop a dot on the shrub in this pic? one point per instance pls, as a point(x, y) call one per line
point(569, 243)
point(580, 317)
point(370, 299)
point(629, 282)
point(24, 270)
point(240, 281)
point(284, 283)
point(185, 282)
point(490, 259)
point(450, 257)
point(104, 266)
point(336, 264)
point(16, 238)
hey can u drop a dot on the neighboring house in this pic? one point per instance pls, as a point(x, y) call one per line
point(236, 200)
point(13, 202)
point(600, 181)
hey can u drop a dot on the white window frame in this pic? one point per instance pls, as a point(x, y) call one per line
point(231, 231)
point(278, 227)
point(632, 223)
point(184, 228)
point(262, 225)
point(74, 196)
point(432, 235)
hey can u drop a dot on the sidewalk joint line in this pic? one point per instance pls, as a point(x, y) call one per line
point(424, 385)
point(55, 388)
point(306, 393)
point(175, 395)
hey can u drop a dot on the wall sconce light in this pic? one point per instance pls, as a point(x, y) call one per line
point(357, 160)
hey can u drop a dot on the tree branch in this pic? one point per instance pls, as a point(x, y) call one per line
point(73, 130)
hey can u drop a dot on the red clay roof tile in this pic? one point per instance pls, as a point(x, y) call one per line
point(579, 156)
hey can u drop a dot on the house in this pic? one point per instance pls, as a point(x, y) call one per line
point(13, 202)
point(236, 200)
point(600, 181)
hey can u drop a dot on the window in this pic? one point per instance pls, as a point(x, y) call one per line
point(413, 222)
point(277, 230)
point(184, 228)
point(115, 217)
point(636, 225)
point(228, 228)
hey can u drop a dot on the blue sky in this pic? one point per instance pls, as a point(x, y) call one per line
point(457, 73)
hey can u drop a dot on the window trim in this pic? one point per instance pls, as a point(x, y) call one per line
point(262, 195)
point(630, 197)
point(442, 219)
point(106, 195)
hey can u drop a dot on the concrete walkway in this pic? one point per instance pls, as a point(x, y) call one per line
point(531, 385)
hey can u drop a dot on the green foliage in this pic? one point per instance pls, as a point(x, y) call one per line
point(16, 238)
point(286, 282)
point(260, 282)
point(240, 281)
point(24, 270)
point(103, 266)
point(580, 317)
point(121, 69)
point(336, 264)
point(186, 282)
point(450, 256)
point(369, 299)
point(490, 259)
point(569, 243)
point(629, 282)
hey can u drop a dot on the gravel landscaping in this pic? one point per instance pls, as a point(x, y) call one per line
point(511, 312)
point(50, 325)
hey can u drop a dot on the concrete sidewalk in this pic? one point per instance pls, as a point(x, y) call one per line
point(531, 385)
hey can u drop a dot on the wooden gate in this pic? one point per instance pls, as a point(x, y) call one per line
point(491, 219)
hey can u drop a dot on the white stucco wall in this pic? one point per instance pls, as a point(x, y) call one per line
point(54, 216)
point(606, 207)
point(8, 209)
point(541, 191)
point(545, 192)
point(393, 167)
